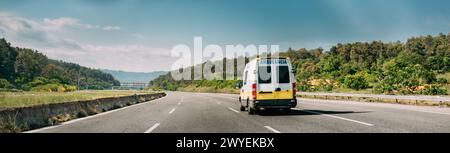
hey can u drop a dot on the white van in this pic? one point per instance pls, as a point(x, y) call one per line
point(268, 83)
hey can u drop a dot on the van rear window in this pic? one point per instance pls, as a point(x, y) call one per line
point(265, 74)
point(283, 74)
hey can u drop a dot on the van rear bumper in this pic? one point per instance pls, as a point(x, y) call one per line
point(278, 103)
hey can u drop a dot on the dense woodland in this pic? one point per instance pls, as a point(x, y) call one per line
point(412, 67)
point(26, 69)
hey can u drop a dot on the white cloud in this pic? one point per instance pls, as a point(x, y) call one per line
point(108, 28)
point(45, 36)
point(65, 22)
point(138, 36)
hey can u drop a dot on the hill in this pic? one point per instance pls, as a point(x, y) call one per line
point(123, 76)
point(27, 69)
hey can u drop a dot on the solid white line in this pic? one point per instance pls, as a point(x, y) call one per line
point(218, 103)
point(337, 117)
point(384, 105)
point(171, 111)
point(424, 111)
point(272, 129)
point(233, 110)
point(152, 128)
point(92, 116)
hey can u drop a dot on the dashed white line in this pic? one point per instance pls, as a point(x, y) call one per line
point(233, 110)
point(171, 111)
point(219, 103)
point(337, 117)
point(152, 128)
point(272, 129)
point(93, 116)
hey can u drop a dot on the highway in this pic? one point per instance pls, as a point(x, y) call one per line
point(180, 112)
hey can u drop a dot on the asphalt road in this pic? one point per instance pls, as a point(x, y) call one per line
point(210, 113)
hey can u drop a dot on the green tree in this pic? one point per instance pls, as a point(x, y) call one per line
point(7, 58)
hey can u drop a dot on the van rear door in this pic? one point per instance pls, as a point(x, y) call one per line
point(283, 81)
point(265, 82)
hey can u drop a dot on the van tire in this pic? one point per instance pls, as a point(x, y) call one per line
point(287, 110)
point(251, 111)
point(242, 108)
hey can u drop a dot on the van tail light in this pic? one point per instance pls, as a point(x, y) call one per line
point(254, 91)
point(294, 90)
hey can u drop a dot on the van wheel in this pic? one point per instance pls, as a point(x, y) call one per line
point(242, 108)
point(251, 111)
point(287, 110)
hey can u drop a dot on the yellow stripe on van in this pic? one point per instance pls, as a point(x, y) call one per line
point(284, 94)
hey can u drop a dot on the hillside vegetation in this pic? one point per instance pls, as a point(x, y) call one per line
point(29, 70)
point(411, 67)
point(123, 76)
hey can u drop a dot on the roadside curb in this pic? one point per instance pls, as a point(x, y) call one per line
point(34, 117)
point(378, 100)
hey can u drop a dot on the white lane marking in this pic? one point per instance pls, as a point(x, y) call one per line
point(171, 111)
point(219, 103)
point(330, 105)
point(383, 105)
point(272, 129)
point(93, 116)
point(233, 110)
point(337, 117)
point(424, 111)
point(152, 128)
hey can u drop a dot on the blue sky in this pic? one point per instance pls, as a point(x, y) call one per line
point(137, 35)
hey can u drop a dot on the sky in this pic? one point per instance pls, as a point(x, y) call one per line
point(138, 35)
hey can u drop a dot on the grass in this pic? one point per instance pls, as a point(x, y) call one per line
point(23, 99)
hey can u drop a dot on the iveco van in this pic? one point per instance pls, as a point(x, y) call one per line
point(268, 83)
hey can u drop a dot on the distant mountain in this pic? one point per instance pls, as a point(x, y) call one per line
point(144, 77)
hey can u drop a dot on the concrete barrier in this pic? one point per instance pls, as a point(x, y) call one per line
point(418, 102)
point(27, 118)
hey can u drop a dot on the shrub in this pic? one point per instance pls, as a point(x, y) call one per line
point(433, 90)
point(442, 81)
point(356, 82)
point(70, 88)
point(61, 89)
point(46, 88)
point(378, 89)
point(327, 87)
point(4, 83)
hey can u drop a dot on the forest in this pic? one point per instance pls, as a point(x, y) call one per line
point(24, 69)
point(421, 65)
